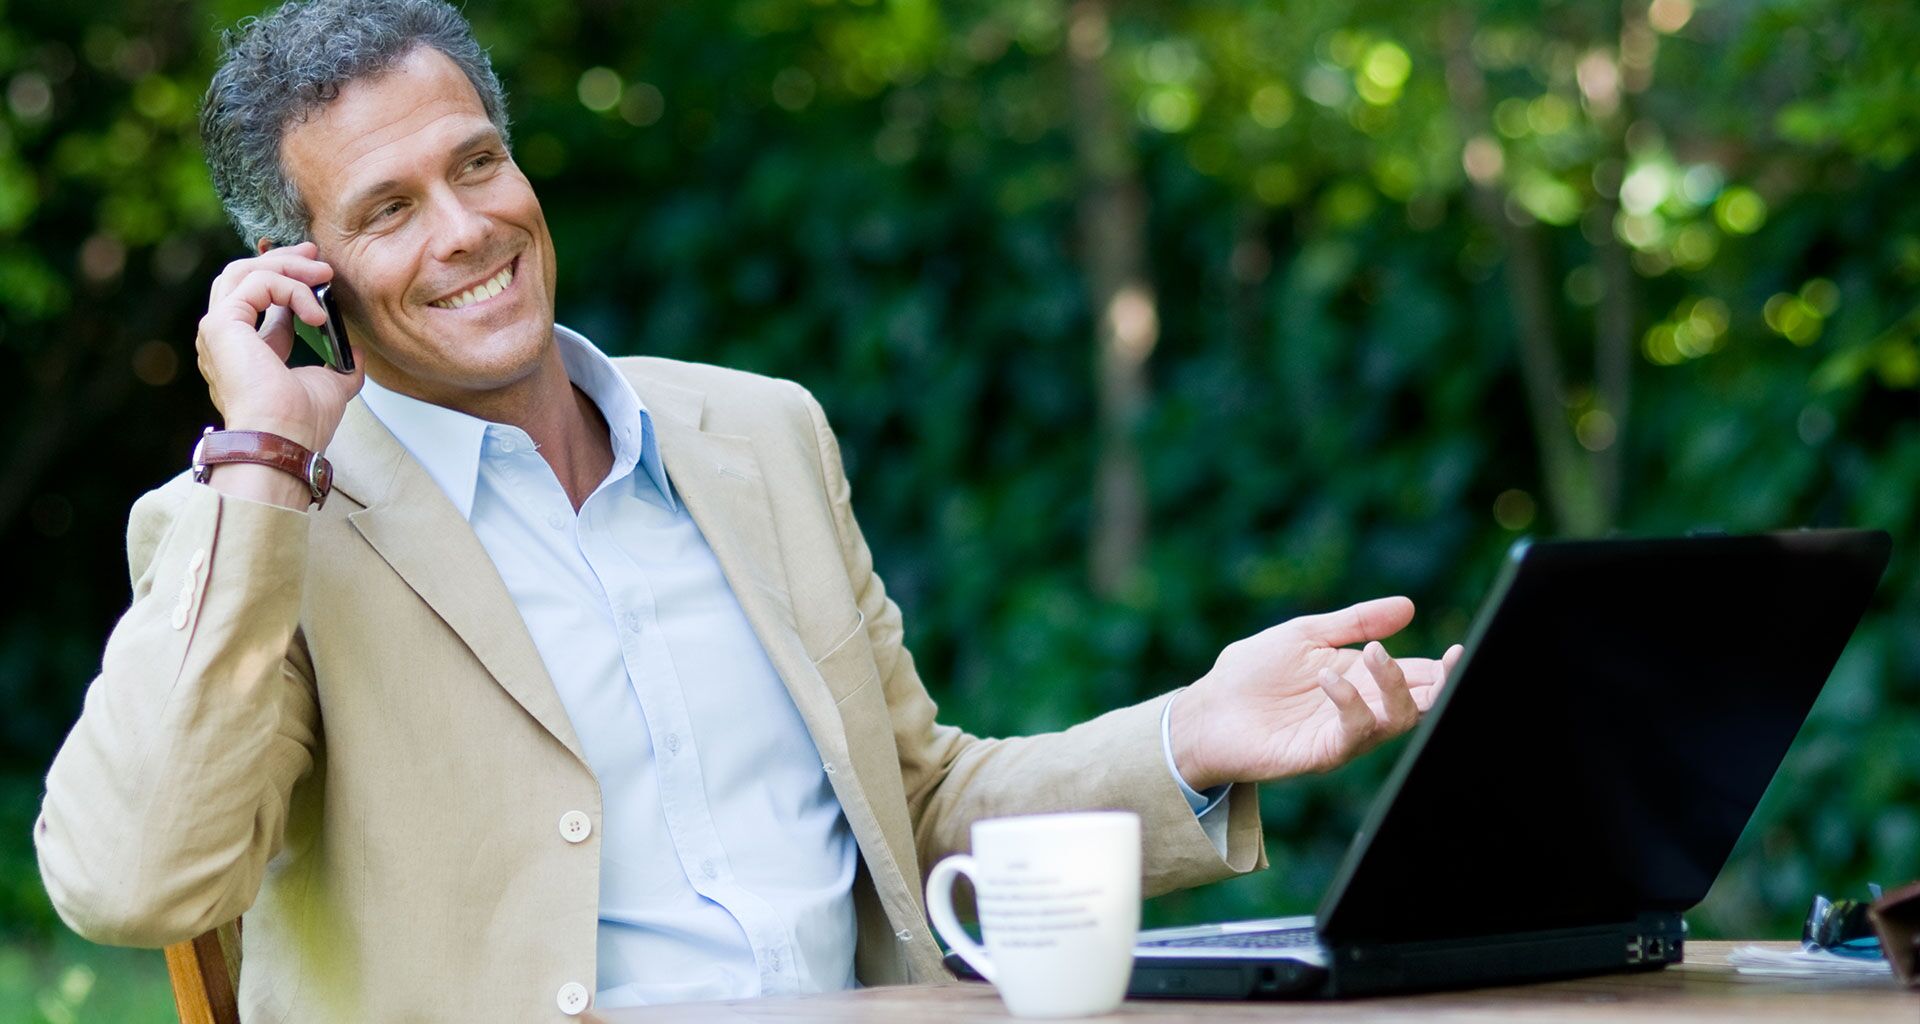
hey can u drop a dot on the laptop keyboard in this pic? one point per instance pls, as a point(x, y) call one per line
point(1286, 938)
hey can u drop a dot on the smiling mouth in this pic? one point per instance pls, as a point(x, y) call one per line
point(480, 292)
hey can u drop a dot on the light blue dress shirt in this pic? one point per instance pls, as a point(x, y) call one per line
point(726, 863)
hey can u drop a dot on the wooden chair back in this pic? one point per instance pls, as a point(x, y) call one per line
point(205, 972)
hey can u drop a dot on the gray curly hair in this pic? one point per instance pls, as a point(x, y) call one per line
point(279, 69)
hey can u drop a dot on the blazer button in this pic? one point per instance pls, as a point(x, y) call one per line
point(575, 827)
point(572, 998)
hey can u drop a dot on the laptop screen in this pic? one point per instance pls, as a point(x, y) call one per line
point(1620, 709)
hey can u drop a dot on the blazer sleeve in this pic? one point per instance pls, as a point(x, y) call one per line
point(1113, 762)
point(171, 794)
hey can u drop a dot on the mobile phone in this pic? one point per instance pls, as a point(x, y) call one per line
point(330, 338)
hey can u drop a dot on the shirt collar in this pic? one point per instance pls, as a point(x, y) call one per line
point(449, 444)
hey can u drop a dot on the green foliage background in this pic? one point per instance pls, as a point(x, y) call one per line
point(878, 199)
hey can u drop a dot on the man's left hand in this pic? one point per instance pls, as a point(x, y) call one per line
point(1298, 698)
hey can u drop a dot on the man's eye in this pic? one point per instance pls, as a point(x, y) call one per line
point(480, 161)
point(388, 210)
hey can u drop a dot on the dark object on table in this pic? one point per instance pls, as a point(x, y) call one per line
point(1841, 927)
point(1896, 916)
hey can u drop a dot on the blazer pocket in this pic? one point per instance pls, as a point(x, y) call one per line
point(848, 664)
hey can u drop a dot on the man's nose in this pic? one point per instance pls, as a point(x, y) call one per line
point(458, 229)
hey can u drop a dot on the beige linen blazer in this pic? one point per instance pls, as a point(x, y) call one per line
point(336, 723)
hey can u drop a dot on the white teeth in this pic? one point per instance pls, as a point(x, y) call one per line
point(485, 290)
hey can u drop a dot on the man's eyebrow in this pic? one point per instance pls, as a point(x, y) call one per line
point(472, 142)
point(380, 188)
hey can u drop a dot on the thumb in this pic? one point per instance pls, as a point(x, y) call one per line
point(346, 385)
point(1356, 624)
point(331, 390)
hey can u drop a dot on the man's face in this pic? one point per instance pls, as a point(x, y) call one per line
point(419, 209)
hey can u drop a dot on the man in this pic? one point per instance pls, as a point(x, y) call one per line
point(577, 683)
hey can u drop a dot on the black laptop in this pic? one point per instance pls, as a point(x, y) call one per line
point(1620, 709)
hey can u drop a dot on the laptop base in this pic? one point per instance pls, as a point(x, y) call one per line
point(1191, 978)
point(1362, 970)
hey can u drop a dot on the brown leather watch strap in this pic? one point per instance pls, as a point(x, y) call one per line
point(258, 446)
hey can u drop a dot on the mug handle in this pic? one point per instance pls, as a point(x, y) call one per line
point(940, 906)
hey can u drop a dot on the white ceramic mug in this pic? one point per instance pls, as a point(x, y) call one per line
point(1059, 902)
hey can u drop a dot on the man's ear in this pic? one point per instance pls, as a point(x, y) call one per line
point(265, 244)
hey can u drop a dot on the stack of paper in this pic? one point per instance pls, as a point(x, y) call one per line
point(1803, 963)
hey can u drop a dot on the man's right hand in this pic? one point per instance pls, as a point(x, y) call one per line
point(246, 366)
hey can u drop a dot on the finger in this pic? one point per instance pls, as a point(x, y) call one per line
point(1368, 620)
point(1357, 720)
point(336, 387)
point(295, 261)
point(1424, 697)
point(1425, 694)
point(260, 291)
point(1345, 661)
point(1401, 711)
point(277, 331)
point(1422, 671)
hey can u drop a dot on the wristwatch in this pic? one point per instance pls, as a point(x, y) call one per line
point(257, 446)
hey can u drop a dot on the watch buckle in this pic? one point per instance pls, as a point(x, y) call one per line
point(201, 471)
point(313, 480)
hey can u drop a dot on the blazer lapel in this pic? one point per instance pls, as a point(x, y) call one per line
point(412, 525)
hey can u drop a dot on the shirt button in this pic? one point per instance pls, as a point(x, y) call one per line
point(709, 869)
point(632, 621)
point(773, 961)
point(554, 520)
point(507, 445)
point(829, 767)
point(575, 827)
point(673, 743)
point(572, 998)
point(903, 935)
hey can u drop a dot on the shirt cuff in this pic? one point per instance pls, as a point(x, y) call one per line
point(1202, 803)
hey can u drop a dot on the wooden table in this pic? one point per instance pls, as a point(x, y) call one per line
point(1702, 989)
